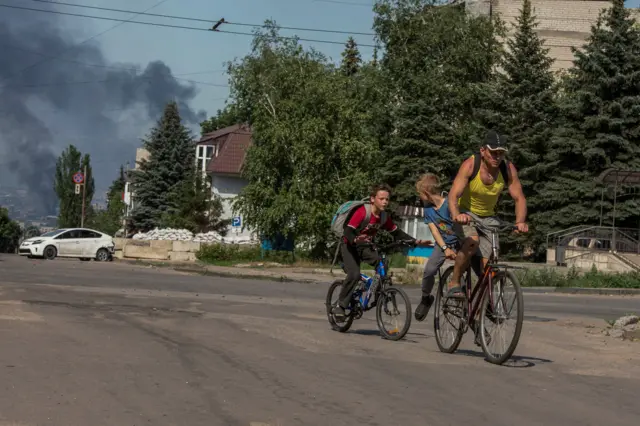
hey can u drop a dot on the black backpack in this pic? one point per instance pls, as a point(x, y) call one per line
point(504, 168)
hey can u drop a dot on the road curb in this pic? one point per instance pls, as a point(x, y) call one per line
point(599, 291)
point(316, 277)
point(582, 290)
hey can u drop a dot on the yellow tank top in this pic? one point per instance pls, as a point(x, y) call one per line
point(481, 199)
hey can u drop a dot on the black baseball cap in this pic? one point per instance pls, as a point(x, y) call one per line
point(495, 142)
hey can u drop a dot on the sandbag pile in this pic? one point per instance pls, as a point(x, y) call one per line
point(211, 237)
point(167, 234)
point(208, 238)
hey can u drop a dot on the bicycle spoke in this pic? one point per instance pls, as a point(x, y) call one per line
point(501, 330)
point(400, 318)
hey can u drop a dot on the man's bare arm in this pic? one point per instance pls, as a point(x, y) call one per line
point(459, 184)
point(515, 189)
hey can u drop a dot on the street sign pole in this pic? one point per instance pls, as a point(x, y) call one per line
point(84, 194)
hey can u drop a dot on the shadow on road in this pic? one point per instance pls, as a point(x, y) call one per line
point(406, 339)
point(516, 361)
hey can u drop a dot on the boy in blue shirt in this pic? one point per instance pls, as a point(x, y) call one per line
point(445, 232)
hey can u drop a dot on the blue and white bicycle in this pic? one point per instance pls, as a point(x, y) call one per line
point(376, 291)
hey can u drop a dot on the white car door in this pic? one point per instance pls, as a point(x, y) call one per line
point(90, 242)
point(64, 243)
point(72, 243)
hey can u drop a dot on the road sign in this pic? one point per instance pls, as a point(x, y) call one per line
point(237, 222)
point(78, 178)
point(77, 188)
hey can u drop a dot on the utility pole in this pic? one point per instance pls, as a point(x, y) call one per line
point(84, 194)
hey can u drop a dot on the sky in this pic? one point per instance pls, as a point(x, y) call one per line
point(101, 85)
point(188, 51)
point(61, 84)
point(82, 93)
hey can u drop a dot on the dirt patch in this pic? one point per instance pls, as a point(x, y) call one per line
point(14, 310)
point(578, 346)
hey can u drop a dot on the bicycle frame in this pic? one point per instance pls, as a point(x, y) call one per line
point(367, 293)
point(475, 296)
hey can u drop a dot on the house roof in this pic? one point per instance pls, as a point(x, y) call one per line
point(211, 136)
point(409, 211)
point(232, 151)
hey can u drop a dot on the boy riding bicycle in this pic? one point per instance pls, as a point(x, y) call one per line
point(358, 230)
point(446, 233)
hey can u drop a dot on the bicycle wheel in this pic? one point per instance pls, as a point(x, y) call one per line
point(447, 313)
point(498, 313)
point(343, 326)
point(388, 301)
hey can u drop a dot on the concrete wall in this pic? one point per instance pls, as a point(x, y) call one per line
point(182, 251)
point(228, 187)
point(583, 259)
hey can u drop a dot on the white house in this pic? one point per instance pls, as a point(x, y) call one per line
point(221, 155)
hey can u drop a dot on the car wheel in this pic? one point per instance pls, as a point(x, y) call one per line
point(102, 255)
point(50, 253)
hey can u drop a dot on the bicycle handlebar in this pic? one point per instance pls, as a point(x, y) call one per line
point(502, 226)
point(387, 247)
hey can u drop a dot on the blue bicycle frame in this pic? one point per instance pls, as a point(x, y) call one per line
point(365, 291)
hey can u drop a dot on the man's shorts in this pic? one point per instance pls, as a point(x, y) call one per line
point(471, 230)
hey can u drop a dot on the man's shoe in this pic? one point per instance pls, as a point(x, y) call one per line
point(423, 308)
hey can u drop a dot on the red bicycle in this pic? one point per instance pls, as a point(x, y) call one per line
point(487, 297)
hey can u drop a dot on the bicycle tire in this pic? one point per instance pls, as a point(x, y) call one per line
point(380, 305)
point(519, 321)
point(436, 317)
point(346, 325)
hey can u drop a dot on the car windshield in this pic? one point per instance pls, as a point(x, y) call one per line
point(52, 233)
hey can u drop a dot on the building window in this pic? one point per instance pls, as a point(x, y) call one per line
point(204, 153)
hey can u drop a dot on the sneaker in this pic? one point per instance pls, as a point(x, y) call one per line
point(338, 311)
point(423, 308)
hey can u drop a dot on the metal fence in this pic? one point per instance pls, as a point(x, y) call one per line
point(596, 238)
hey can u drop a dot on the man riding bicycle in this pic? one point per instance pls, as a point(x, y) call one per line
point(474, 195)
point(356, 232)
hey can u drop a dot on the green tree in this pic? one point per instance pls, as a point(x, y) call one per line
point(223, 118)
point(9, 232)
point(600, 118)
point(71, 161)
point(197, 210)
point(310, 149)
point(351, 60)
point(31, 231)
point(437, 60)
point(171, 159)
point(109, 220)
point(524, 102)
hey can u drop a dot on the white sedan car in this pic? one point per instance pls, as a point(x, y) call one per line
point(82, 243)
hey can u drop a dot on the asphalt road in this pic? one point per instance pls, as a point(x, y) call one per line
point(86, 343)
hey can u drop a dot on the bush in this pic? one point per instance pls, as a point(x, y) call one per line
point(234, 253)
point(573, 278)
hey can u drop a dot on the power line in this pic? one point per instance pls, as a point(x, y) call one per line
point(76, 45)
point(209, 21)
point(155, 24)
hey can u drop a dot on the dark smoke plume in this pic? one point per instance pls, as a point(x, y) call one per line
point(103, 109)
